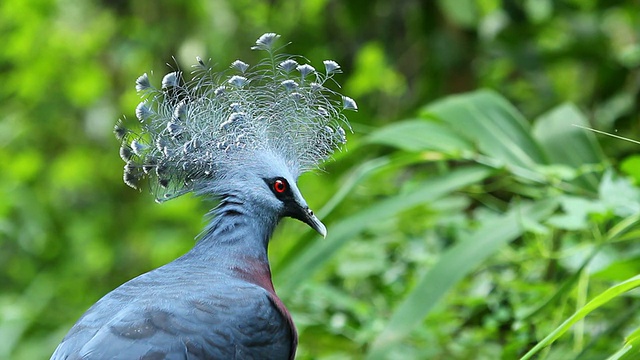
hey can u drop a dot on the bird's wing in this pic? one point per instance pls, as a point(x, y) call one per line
point(234, 322)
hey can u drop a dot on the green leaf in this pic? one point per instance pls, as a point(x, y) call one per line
point(454, 264)
point(420, 135)
point(564, 143)
point(497, 129)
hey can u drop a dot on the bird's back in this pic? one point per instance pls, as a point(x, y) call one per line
point(183, 311)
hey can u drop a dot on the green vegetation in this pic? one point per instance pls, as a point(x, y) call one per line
point(470, 216)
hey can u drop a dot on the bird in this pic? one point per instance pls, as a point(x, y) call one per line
point(241, 136)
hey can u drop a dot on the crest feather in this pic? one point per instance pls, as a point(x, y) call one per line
point(191, 131)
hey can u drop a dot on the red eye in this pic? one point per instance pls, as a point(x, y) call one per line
point(280, 186)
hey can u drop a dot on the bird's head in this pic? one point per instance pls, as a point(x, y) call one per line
point(269, 185)
point(250, 130)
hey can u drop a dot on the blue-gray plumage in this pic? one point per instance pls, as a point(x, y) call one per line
point(217, 301)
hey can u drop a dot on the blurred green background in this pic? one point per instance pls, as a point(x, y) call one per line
point(463, 223)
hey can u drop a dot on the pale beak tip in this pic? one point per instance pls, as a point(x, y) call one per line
point(323, 232)
point(318, 226)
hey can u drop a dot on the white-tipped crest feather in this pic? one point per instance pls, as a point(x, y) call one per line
point(192, 131)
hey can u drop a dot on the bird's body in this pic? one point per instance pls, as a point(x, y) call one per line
point(217, 301)
point(166, 324)
point(230, 311)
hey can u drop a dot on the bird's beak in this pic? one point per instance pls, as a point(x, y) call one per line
point(297, 208)
point(300, 210)
point(312, 220)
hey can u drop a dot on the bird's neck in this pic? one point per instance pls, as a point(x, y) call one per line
point(236, 242)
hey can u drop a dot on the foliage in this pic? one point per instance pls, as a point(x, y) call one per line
point(481, 225)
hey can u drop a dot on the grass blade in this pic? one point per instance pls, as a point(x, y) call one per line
point(608, 295)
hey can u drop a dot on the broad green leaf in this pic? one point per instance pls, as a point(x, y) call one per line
point(566, 144)
point(454, 264)
point(306, 263)
point(487, 120)
point(420, 135)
